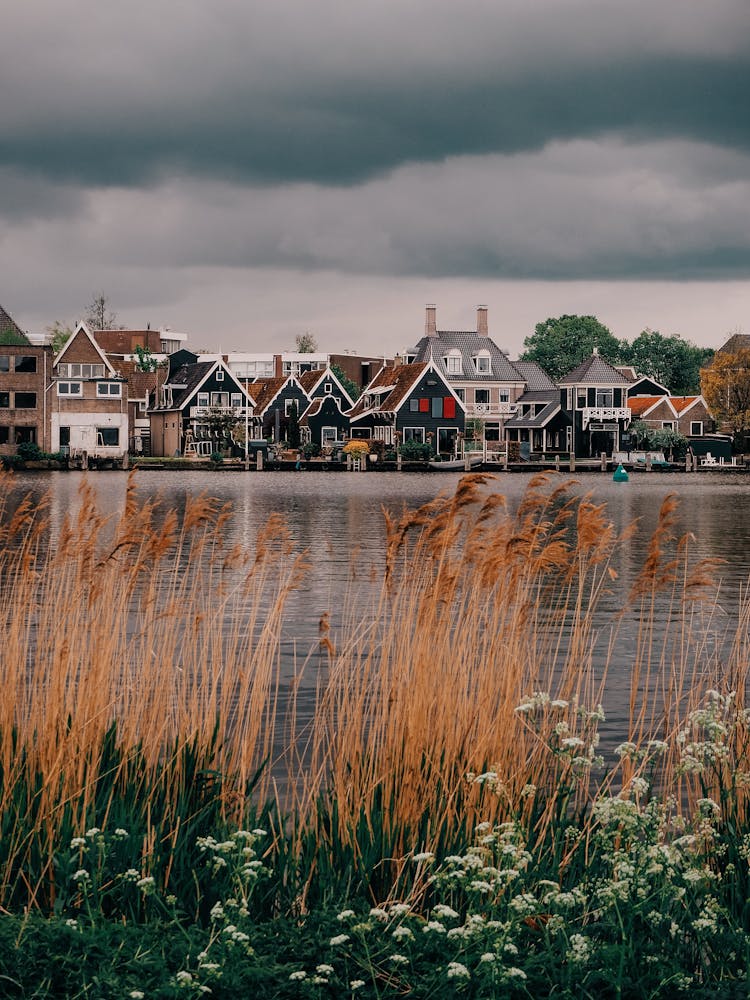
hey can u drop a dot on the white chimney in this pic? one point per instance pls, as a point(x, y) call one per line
point(482, 328)
point(430, 326)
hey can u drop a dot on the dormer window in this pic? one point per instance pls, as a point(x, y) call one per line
point(482, 362)
point(453, 362)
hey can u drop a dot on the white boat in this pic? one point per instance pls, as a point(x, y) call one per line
point(455, 464)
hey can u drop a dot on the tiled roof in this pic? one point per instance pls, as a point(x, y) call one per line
point(140, 383)
point(468, 342)
point(595, 371)
point(737, 342)
point(190, 377)
point(682, 403)
point(10, 331)
point(641, 404)
point(536, 378)
point(394, 385)
point(308, 380)
point(265, 390)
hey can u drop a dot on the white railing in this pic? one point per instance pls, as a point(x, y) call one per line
point(600, 413)
point(490, 409)
point(204, 412)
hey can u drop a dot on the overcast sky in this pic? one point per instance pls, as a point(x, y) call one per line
point(245, 171)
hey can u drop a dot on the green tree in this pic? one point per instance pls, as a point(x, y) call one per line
point(674, 362)
point(146, 362)
point(560, 345)
point(59, 334)
point(306, 343)
point(351, 387)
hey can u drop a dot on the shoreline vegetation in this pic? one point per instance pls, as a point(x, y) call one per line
point(445, 824)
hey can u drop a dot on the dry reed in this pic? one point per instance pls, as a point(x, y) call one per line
point(151, 622)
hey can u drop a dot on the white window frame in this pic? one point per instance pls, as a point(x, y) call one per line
point(667, 425)
point(699, 425)
point(219, 374)
point(454, 362)
point(66, 389)
point(203, 400)
point(482, 363)
point(481, 402)
point(109, 389)
point(236, 400)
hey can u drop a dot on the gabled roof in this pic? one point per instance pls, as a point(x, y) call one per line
point(469, 343)
point(640, 406)
point(391, 386)
point(737, 342)
point(312, 379)
point(10, 331)
point(83, 331)
point(189, 378)
point(635, 387)
point(316, 405)
point(595, 371)
point(681, 404)
point(266, 390)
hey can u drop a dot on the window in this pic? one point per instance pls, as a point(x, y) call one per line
point(25, 435)
point(482, 362)
point(581, 399)
point(108, 437)
point(69, 388)
point(413, 405)
point(696, 428)
point(25, 400)
point(505, 395)
point(667, 425)
point(288, 404)
point(328, 388)
point(108, 389)
point(4, 434)
point(4, 363)
point(461, 393)
point(219, 374)
point(414, 434)
point(219, 399)
point(437, 407)
point(604, 397)
point(25, 363)
point(79, 370)
point(453, 362)
point(142, 407)
point(237, 400)
point(482, 396)
point(4, 400)
point(203, 399)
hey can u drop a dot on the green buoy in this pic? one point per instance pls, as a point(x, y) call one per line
point(620, 475)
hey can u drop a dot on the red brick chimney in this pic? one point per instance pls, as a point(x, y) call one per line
point(430, 325)
point(482, 328)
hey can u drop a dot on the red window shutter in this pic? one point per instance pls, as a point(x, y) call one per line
point(424, 406)
point(449, 407)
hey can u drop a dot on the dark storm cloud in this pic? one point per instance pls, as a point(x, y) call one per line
point(300, 92)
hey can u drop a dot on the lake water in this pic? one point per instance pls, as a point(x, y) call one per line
point(338, 516)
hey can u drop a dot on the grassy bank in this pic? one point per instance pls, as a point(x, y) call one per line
point(449, 824)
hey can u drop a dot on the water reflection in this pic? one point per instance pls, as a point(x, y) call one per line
point(338, 520)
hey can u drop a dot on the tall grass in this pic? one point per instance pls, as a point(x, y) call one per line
point(140, 680)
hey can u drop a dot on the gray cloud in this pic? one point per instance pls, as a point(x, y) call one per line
point(272, 93)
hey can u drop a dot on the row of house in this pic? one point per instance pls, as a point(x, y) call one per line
point(110, 392)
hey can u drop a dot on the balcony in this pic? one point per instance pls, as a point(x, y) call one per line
point(484, 410)
point(600, 414)
point(205, 412)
